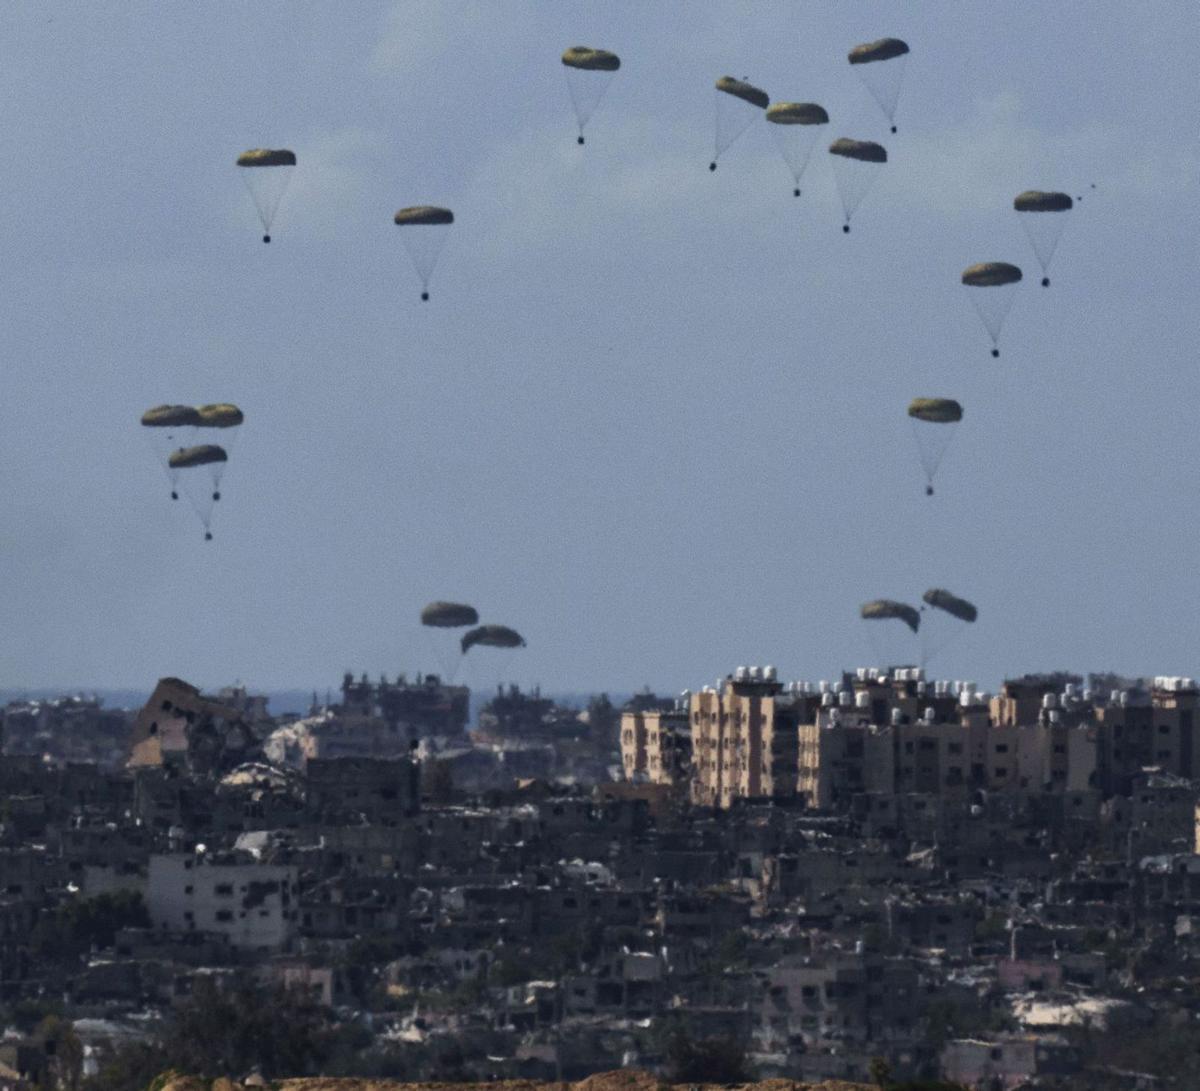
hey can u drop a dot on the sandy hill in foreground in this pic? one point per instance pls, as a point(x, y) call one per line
point(604, 1081)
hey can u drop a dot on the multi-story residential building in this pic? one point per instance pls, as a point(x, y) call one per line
point(894, 732)
point(250, 905)
point(656, 744)
point(745, 741)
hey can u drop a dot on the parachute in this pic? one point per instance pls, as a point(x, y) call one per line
point(266, 173)
point(425, 230)
point(219, 421)
point(166, 424)
point(208, 454)
point(940, 630)
point(941, 599)
point(934, 423)
point(795, 125)
point(492, 636)
point(589, 72)
point(1045, 226)
point(170, 416)
point(219, 415)
point(892, 644)
point(888, 609)
point(855, 166)
point(197, 467)
point(880, 65)
point(442, 616)
point(738, 104)
point(1000, 279)
point(449, 615)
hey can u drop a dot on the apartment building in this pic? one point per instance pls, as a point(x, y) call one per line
point(887, 732)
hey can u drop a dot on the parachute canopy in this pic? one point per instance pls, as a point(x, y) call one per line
point(866, 151)
point(492, 636)
point(797, 113)
point(423, 214)
point(952, 604)
point(886, 609)
point(591, 60)
point(745, 91)
point(219, 415)
point(991, 274)
point(267, 157)
point(204, 455)
point(1034, 200)
point(885, 49)
point(171, 416)
point(449, 615)
point(935, 410)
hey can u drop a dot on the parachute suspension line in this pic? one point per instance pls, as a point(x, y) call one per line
point(579, 118)
point(266, 193)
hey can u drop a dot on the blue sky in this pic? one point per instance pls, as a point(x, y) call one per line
point(652, 417)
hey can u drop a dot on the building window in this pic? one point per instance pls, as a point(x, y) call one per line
point(224, 915)
point(1001, 748)
point(1000, 771)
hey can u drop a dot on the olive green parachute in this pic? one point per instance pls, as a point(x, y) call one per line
point(865, 151)
point(1043, 232)
point(993, 305)
point(797, 113)
point(932, 442)
point(589, 72)
point(747, 92)
point(882, 80)
point(885, 49)
point(794, 126)
point(205, 455)
point(426, 228)
point(991, 274)
point(171, 416)
point(591, 60)
point(952, 604)
point(737, 105)
point(423, 214)
point(220, 415)
point(267, 187)
point(935, 410)
point(267, 157)
point(886, 609)
point(1034, 200)
point(492, 636)
point(449, 615)
point(855, 167)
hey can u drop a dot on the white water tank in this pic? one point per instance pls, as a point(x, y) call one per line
point(862, 699)
point(770, 674)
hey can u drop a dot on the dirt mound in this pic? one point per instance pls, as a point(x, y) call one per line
point(620, 1080)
